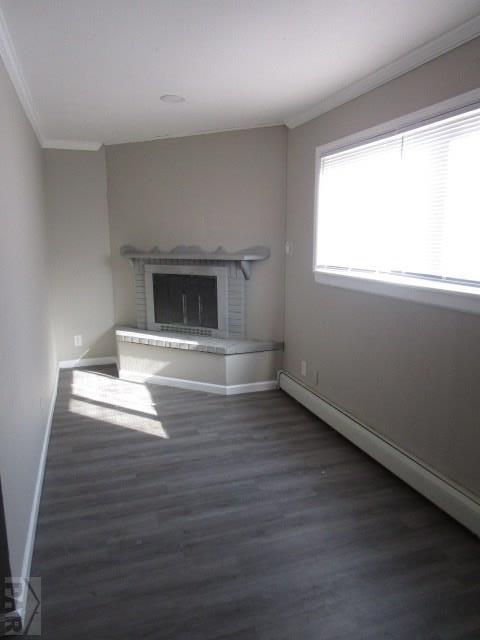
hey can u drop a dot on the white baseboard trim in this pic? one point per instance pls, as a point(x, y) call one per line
point(455, 501)
point(251, 387)
point(32, 526)
point(195, 385)
point(86, 362)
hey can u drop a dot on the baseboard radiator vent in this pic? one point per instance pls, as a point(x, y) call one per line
point(451, 499)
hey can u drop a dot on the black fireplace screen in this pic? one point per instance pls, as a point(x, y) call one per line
point(185, 299)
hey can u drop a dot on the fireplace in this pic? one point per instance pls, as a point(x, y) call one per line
point(191, 322)
point(204, 293)
point(187, 299)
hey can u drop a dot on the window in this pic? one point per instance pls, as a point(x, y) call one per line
point(403, 211)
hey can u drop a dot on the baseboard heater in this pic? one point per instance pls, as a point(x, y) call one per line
point(452, 499)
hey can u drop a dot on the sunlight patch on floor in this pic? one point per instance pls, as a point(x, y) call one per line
point(117, 417)
point(101, 388)
point(117, 402)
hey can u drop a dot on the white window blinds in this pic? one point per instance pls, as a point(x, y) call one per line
point(408, 204)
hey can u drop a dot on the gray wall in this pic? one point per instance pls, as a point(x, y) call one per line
point(409, 371)
point(79, 243)
point(220, 189)
point(27, 362)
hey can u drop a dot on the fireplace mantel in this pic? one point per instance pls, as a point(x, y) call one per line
point(234, 265)
point(244, 257)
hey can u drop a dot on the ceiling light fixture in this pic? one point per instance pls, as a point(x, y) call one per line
point(171, 98)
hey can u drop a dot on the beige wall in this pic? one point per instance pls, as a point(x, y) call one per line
point(221, 189)
point(27, 361)
point(79, 243)
point(409, 371)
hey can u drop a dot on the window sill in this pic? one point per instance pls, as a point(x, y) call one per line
point(447, 295)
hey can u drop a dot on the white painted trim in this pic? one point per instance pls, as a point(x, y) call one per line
point(32, 526)
point(419, 118)
point(444, 43)
point(251, 387)
point(73, 145)
point(457, 502)
point(448, 296)
point(189, 133)
point(14, 70)
point(195, 385)
point(433, 49)
point(86, 362)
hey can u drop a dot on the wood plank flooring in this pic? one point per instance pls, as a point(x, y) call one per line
point(180, 515)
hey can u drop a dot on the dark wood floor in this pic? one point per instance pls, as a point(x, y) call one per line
point(180, 515)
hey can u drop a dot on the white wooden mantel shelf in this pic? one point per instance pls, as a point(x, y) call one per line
point(245, 257)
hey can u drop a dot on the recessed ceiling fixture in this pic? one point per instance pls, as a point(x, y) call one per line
point(171, 98)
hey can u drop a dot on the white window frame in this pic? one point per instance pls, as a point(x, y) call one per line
point(442, 294)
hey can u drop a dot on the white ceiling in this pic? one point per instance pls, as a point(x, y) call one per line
point(93, 71)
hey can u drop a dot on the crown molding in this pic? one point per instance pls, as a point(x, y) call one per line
point(444, 43)
point(73, 145)
point(14, 70)
point(187, 133)
point(12, 64)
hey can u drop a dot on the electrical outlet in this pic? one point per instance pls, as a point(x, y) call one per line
point(303, 367)
point(288, 248)
point(77, 341)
